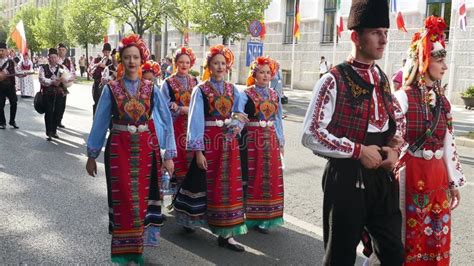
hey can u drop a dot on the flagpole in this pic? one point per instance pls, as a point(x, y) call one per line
point(334, 42)
point(387, 53)
point(293, 50)
point(451, 57)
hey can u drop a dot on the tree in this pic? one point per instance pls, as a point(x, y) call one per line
point(140, 15)
point(225, 18)
point(3, 26)
point(49, 27)
point(29, 14)
point(85, 23)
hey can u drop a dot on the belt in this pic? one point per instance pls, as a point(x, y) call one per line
point(427, 154)
point(131, 128)
point(261, 123)
point(219, 123)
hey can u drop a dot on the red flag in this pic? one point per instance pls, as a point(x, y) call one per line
point(106, 39)
point(400, 22)
point(340, 27)
point(263, 31)
point(462, 16)
point(19, 37)
point(296, 29)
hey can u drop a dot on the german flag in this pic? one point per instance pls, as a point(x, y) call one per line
point(296, 29)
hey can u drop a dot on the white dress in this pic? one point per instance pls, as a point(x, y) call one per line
point(26, 84)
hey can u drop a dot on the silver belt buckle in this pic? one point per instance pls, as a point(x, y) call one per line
point(262, 123)
point(132, 129)
point(427, 154)
point(142, 128)
point(219, 123)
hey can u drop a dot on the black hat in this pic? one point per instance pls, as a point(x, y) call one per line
point(368, 14)
point(107, 47)
point(52, 51)
point(114, 51)
point(3, 45)
point(61, 45)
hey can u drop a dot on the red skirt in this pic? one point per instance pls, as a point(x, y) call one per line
point(265, 183)
point(427, 211)
point(131, 158)
point(184, 157)
point(225, 214)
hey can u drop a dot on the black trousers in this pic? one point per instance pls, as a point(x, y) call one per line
point(96, 92)
point(62, 107)
point(10, 93)
point(52, 112)
point(356, 198)
point(83, 69)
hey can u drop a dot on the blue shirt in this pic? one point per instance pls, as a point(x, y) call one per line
point(103, 115)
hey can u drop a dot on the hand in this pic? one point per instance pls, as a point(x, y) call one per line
point(201, 160)
point(56, 82)
point(91, 167)
point(392, 158)
point(174, 107)
point(370, 156)
point(102, 65)
point(241, 117)
point(3, 76)
point(184, 110)
point(282, 151)
point(169, 166)
point(455, 198)
point(396, 142)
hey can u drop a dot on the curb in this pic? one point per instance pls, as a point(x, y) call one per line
point(463, 141)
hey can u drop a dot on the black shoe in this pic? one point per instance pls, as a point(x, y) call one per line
point(189, 230)
point(3, 126)
point(262, 230)
point(13, 124)
point(224, 242)
point(55, 135)
point(61, 126)
point(49, 138)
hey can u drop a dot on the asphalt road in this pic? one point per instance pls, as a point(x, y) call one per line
point(53, 213)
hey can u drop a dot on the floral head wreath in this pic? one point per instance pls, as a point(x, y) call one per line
point(152, 67)
point(430, 42)
point(213, 51)
point(257, 63)
point(185, 51)
point(133, 40)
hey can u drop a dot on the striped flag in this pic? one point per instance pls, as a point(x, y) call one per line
point(400, 20)
point(19, 37)
point(296, 29)
point(339, 20)
point(462, 15)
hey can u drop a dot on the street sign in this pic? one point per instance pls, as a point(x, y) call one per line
point(255, 28)
point(254, 50)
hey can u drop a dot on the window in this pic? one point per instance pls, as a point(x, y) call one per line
point(204, 39)
point(290, 19)
point(329, 20)
point(440, 8)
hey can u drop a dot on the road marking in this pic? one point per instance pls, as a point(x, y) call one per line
point(313, 229)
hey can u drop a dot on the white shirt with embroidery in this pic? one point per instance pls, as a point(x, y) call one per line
point(321, 110)
point(450, 154)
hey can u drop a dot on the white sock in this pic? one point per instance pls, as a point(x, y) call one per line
point(232, 241)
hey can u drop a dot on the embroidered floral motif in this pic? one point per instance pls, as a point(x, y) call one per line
point(195, 145)
point(220, 105)
point(355, 88)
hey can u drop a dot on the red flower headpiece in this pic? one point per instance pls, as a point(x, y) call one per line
point(261, 61)
point(221, 49)
point(135, 40)
point(427, 43)
point(151, 66)
point(187, 51)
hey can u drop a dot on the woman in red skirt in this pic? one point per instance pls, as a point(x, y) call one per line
point(430, 172)
point(128, 104)
point(212, 191)
point(176, 91)
point(264, 142)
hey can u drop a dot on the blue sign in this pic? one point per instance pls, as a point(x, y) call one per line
point(255, 28)
point(254, 50)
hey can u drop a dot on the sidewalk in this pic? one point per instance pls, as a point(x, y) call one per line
point(298, 101)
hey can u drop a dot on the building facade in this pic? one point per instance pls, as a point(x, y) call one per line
point(317, 39)
point(10, 7)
